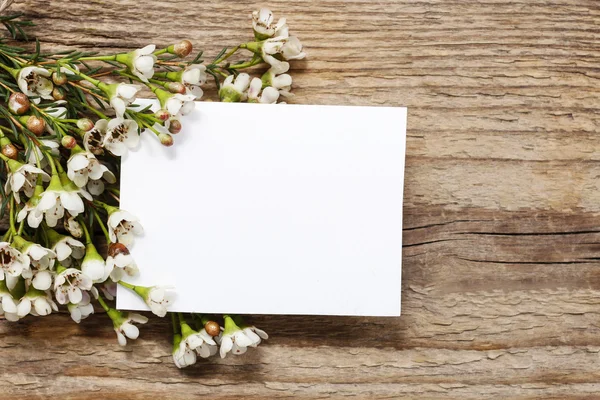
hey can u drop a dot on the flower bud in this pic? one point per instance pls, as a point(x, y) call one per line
point(58, 93)
point(212, 328)
point(182, 49)
point(117, 248)
point(162, 114)
point(18, 103)
point(165, 139)
point(175, 126)
point(36, 125)
point(176, 87)
point(59, 79)
point(85, 124)
point(68, 142)
point(10, 151)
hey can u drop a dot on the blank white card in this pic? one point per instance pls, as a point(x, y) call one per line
point(272, 209)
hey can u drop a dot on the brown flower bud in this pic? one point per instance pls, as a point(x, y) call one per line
point(59, 78)
point(165, 139)
point(36, 125)
point(85, 124)
point(162, 114)
point(68, 142)
point(117, 248)
point(58, 93)
point(175, 126)
point(212, 328)
point(183, 48)
point(10, 151)
point(176, 87)
point(18, 103)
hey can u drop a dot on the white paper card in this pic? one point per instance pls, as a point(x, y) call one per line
point(272, 209)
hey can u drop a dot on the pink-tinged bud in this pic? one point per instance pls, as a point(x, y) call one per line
point(165, 139)
point(58, 93)
point(18, 103)
point(183, 48)
point(36, 125)
point(10, 151)
point(162, 114)
point(68, 142)
point(59, 79)
point(175, 126)
point(85, 124)
point(176, 87)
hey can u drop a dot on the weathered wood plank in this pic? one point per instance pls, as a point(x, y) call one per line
point(502, 232)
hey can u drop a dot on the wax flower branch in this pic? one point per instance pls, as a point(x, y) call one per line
point(65, 121)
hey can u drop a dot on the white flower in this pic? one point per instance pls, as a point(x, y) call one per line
point(40, 257)
point(93, 140)
point(69, 285)
point(179, 104)
point(23, 177)
point(292, 49)
point(8, 306)
point(288, 48)
point(140, 62)
point(192, 77)
point(56, 199)
point(51, 146)
point(282, 82)
point(158, 299)
point(122, 226)
point(262, 23)
point(37, 303)
point(65, 247)
point(209, 347)
point(33, 81)
point(124, 327)
point(234, 91)
point(121, 95)
point(96, 188)
point(81, 310)
point(120, 262)
point(269, 94)
point(183, 356)
point(93, 265)
point(121, 134)
point(233, 339)
point(40, 279)
point(255, 334)
point(82, 166)
point(12, 261)
point(30, 211)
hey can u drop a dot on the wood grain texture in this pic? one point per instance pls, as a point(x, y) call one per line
point(501, 291)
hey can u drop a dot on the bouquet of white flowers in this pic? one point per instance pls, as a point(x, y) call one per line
point(66, 119)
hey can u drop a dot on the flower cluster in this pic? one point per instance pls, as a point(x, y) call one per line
point(273, 46)
point(63, 129)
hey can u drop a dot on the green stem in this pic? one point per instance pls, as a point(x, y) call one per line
point(12, 214)
point(93, 81)
point(102, 226)
point(227, 55)
point(102, 303)
point(255, 61)
point(99, 58)
point(88, 238)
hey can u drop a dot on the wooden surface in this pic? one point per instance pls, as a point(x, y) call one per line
point(501, 290)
